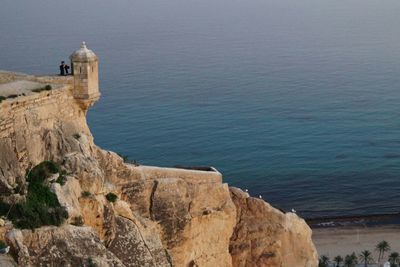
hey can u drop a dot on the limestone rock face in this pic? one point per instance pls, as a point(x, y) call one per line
point(7, 261)
point(196, 221)
point(136, 248)
point(264, 236)
point(60, 246)
point(162, 216)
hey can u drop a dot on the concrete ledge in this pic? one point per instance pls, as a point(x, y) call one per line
point(196, 176)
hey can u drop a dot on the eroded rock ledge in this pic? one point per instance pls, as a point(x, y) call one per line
point(162, 217)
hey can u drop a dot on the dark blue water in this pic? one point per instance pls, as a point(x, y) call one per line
point(295, 100)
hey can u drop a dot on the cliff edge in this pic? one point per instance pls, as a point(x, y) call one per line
point(120, 214)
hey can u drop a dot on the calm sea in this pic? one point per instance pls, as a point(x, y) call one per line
point(297, 101)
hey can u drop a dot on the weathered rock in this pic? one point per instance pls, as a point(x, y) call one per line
point(7, 261)
point(264, 236)
point(98, 214)
point(122, 209)
point(60, 246)
point(197, 221)
point(132, 247)
point(68, 196)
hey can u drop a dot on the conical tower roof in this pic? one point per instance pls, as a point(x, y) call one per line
point(83, 54)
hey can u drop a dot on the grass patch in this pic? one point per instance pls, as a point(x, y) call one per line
point(111, 197)
point(40, 89)
point(41, 206)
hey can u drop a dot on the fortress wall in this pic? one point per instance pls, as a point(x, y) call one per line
point(32, 129)
point(187, 175)
point(11, 109)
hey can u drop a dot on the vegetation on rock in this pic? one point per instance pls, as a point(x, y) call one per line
point(77, 221)
point(40, 89)
point(126, 159)
point(62, 178)
point(2, 244)
point(86, 194)
point(111, 197)
point(41, 206)
point(91, 263)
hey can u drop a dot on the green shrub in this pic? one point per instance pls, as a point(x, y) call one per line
point(111, 197)
point(40, 89)
point(62, 179)
point(2, 98)
point(12, 96)
point(76, 136)
point(2, 244)
point(17, 189)
point(77, 221)
point(41, 206)
point(42, 171)
point(91, 263)
point(86, 194)
point(126, 159)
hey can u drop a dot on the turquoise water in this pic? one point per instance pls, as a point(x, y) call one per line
point(294, 100)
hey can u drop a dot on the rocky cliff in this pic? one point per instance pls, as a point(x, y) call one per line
point(158, 217)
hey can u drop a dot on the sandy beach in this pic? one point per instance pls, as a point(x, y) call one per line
point(342, 241)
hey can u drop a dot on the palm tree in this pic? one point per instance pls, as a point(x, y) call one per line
point(338, 260)
point(366, 257)
point(323, 261)
point(382, 247)
point(350, 260)
point(394, 259)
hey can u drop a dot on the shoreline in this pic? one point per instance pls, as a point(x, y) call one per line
point(373, 220)
point(335, 241)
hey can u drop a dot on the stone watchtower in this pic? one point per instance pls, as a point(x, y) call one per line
point(84, 65)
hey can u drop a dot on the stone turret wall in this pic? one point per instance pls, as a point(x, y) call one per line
point(11, 108)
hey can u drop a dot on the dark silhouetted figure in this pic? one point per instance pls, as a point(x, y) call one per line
point(66, 68)
point(62, 68)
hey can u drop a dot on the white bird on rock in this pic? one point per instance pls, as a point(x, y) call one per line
point(246, 190)
point(293, 210)
point(5, 250)
point(260, 196)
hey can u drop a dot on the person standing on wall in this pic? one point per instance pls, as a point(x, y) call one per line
point(62, 68)
point(66, 68)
